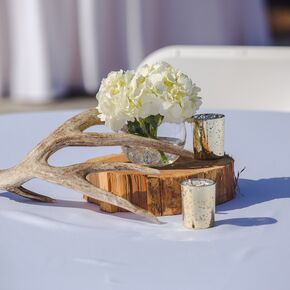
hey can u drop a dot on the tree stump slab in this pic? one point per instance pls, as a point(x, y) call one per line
point(161, 193)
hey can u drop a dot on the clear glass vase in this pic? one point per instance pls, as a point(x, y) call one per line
point(168, 132)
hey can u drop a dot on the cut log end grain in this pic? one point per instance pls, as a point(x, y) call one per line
point(161, 193)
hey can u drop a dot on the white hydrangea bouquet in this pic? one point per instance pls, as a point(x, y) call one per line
point(143, 100)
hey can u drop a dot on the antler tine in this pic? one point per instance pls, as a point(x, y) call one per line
point(74, 177)
point(83, 169)
point(71, 134)
point(30, 194)
point(61, 136)
point(81, 185)
point(123, 139)
point(81, 122)
point(90, 139)
point(86, 119)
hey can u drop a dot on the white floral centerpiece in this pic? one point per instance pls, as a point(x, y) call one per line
point(143, 100)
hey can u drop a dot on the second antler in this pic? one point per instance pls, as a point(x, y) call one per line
point(71, 133)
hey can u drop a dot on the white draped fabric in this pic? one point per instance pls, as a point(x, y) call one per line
point(49, 47)
point(71, 245)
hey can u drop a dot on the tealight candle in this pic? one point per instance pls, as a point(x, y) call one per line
point(208, 136)
point(198, 203)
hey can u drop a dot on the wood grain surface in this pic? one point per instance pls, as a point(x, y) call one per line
point(160, 194)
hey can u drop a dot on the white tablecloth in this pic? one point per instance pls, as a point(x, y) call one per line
point(72, 245)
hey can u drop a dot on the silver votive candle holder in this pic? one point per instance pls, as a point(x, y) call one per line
point(198, 203)
point(208, 136)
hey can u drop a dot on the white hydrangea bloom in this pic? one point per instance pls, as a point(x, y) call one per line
point(166, 91)
point(152, 90)
point(115, 102)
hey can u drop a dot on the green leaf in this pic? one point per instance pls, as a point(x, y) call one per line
point(146, 127)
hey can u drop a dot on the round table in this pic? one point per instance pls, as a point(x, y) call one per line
point(71, 244)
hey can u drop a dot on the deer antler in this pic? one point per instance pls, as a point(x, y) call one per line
point(71, 133)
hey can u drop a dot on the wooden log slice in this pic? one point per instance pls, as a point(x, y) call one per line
point(161, 193)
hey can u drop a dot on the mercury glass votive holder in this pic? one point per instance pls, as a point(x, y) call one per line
point(198, 203)
point(208, 136)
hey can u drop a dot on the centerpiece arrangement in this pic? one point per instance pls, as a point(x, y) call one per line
point(140, 103)
point(153, 102)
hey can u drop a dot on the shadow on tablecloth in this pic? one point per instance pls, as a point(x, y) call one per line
point(251, 192)
point(247, 222)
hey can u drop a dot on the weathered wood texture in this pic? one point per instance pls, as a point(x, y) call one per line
point(161, 193)
point(72, 133)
